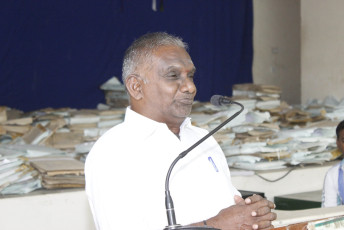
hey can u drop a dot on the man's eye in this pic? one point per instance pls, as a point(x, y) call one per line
point(172, 75)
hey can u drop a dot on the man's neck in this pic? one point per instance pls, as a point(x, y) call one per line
point(174, 130)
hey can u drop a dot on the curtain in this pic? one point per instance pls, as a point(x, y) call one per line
point(58, 53)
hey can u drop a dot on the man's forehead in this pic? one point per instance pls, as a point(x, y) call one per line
point(163, 51)
point(174, 56)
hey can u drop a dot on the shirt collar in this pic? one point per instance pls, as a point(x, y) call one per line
point(149, 124)
point(186, 123)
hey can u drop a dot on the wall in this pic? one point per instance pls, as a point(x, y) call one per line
point(61, 209)
point(299, 46)
point(294, 182)
point(58, 53)
point(322, 52)
point(276, 36)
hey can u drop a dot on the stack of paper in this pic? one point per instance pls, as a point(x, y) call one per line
point(16, 176)
point(261, 91)
point(257, 141)
point(62, 128)
point(115, 93)
point(330, 107)
point(60, 172)
point(17, 126)
point(3, 114)
point(267, 96)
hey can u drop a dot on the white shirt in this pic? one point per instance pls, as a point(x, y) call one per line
point(126, 171)
point(330, 195)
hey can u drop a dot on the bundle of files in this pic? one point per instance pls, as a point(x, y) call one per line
point(115, 93)
point(67, 129)
point(261, 139)
point(16, 175)
point(60, 171)
point(267, 96)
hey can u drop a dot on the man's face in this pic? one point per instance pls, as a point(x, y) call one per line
point(340, 141)
point(169, 92)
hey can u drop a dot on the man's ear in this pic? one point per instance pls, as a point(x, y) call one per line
point(134, 86)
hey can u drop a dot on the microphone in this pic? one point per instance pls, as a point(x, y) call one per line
point(216, 100)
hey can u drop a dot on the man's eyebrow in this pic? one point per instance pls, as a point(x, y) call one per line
point(172, 67)
point(176, 68)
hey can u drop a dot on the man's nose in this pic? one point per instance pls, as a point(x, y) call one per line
point(188, 85)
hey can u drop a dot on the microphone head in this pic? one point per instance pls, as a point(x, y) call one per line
point(216, 100)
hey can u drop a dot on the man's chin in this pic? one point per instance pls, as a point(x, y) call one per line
point(184, 113)
point(181, 110)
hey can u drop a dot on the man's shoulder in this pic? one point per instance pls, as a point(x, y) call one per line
point(112, 141)
point(114, 135)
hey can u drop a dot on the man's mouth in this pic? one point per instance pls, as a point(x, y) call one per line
point(186, 101)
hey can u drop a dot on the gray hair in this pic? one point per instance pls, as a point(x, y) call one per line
point(141, 50)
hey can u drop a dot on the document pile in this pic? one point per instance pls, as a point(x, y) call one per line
point(68, 129)
point(267, 97)
point(115, 93)
point(272, 135)
point(60, 171)
point(48, 132)
point(16, 175)
point(330, 107)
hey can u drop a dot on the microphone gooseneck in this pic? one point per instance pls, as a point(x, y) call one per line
point(216, 100)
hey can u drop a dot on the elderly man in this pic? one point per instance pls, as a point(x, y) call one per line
point(126, 168)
